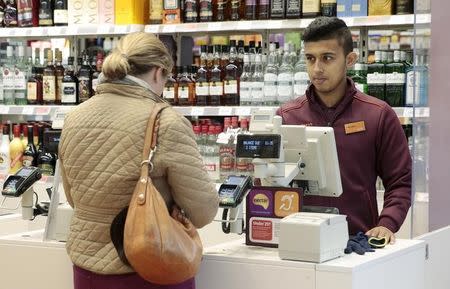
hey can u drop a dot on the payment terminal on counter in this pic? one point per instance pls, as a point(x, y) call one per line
point(231, 193)
point(21, 185)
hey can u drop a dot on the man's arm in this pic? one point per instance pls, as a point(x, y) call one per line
point(394, 168)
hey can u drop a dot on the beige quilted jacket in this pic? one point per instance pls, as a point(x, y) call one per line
point(100, 152)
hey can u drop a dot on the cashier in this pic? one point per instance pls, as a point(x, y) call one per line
point(369, 137)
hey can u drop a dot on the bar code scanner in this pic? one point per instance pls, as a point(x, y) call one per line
point(21, 185)
point(231, 193)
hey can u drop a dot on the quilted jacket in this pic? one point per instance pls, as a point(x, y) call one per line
point(100, 152)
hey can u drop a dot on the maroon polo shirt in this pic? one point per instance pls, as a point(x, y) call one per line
point(380, 149)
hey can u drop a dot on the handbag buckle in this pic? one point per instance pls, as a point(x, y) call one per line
point(149, 161)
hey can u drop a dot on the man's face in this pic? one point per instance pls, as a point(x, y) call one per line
point(326, 64)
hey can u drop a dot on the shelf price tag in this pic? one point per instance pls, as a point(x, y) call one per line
point(242, 25)
point(4, 109)
point(121, 29)
point(169, 28)
point(408, 112)
point(244, 111)
point(225, 110)
point(27, 110)
point(152, 28)
point(12, 32)
point(214, 26)
point(42, 110)
point(197, 111)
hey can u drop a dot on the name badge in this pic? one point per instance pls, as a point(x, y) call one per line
point(354, 127)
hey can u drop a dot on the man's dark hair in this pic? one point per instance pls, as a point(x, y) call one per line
point(326, 28)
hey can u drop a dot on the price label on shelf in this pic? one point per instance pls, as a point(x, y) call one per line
point(152, 28)
point(214, 26)
point(244, 111)
point(121, 29)
point(225, 110)
point(277, 24)
point(169, 28)
point(408, 112)
point(12, 32)
point(243, 25)
point(197, 111)
point(4, 109)
point(42, 110)
point(27, 110)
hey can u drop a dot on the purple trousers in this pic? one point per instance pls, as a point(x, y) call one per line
point(84, 279)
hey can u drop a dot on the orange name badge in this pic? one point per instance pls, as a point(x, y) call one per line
point(355, 127)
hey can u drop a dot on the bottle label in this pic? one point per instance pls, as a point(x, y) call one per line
point(329, 1)
point(376, 78)
point(27, 161)
point(47, 169)
point(32, 91)
point(285, 88)
point(69, 92)
point(61, 16)
point(202, 88)
point(221, 9)
point(190, 9)
point(293, 7)
point(235, 4)
point(301, 82)
point(231, 87)
point(205, 9)
point(270, 86)
point(8, 79)
point(395, 78)
point(45, 17)
point(311, 6)
point(183, 92)
point(156, 9)
point(94, 84)
point(59, 92)
point(257, 90)
point(20, 81)
point(83, 88)
point(169, 93)
point(277, 8)
point(226, 158)
point(245, 91)
point(216, 88)
point(25, 16)
point(49, 87)
point(171, 4)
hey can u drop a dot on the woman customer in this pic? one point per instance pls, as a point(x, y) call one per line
point(100, 153)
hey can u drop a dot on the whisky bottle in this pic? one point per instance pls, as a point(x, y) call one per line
point(311, 8)
point(220, 10)
point(170, 92)
point(215, 80)
point(34, 87)
point(10, 15)
point(263, 9)
point(328, 8)
point(380, 7)
point(84, 80)
point(234, 6)
point(202, 83)
point(49, 80)
point(186, 95)
point(278, 9)
point(60, 14)
point(231, 79)
point(190, 11)
point(293, 9)
point(250, 9)
point(156, 11)
point(404, 7)
point(206, 10)
point(46, 13)
point(69, 85)
point(59, 73)
point(24, 13)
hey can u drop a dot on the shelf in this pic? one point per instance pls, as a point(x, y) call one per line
point(404, 113)
point(257, 25)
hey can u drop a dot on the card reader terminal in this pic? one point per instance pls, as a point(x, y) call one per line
point(233, 190)
point(16, 185)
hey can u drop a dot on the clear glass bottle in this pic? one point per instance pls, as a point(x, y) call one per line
point(8, 77)
point(245, 84)
point(285, 83)
point(257, 84)
point(301, 77)
point(271, 78)
point(202, 82)
point(20, 78)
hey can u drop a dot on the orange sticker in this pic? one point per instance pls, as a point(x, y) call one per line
point(355, 127)
point(286, 203)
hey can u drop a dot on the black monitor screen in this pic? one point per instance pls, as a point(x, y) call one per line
point(264, 146)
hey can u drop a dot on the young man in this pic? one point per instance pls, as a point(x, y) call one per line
point(369, 138)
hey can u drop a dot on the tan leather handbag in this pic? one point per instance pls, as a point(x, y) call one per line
point(162, 249)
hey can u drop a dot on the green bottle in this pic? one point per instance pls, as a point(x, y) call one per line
point(376, 78)
point(360, 77)
point(395, 82)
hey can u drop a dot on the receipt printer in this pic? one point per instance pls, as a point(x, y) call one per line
point(312, 237)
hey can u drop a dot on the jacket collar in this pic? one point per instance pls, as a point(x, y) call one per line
point(129, 86)
point(317, 104)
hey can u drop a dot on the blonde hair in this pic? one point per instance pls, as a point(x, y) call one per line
point(137, 53)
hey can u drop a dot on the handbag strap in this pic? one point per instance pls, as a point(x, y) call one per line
point(150, 146)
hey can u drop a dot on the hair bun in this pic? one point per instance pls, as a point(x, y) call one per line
point(116, 66)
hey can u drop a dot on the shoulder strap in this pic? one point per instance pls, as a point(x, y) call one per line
point(151, 133)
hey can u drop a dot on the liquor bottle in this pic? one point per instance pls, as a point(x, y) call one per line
point(271, 78)
point(395, 82)
point(293, 9)
point(186, 93)
point(215, 79)
point(250, 9)
point(240, 57)
point(49, 80)
point(30, 153)
point(359, 78)
point(34, 87)
point(311, 8)
point(206, 10)
point(15, 151)
point(45, 13)
point(244, 166)
point(8, 77)
point(211, 153)
point(263, 9)
point(60, 14)
point(24, 13)
point(245, 85)
point(221, 13)
point(46, 160)
point(285, 83)
point(417, 82)
point(234, 6)
point(231, 79)
point(156, 11)
point(10, 16)
point(277, 9)
point(20, 78)
point(190, 11)
point(59, 73)
point(328, 8)
point(5, 159)
point(170, 92)
point(172, 11)
point(257, 85)
point(227, 154)
point(404, 7)
point(202, 83)
point(24, 136)
point(376, 78)
point(69, 85)
point(84, 80)
point(381, 7)
point(224, 58)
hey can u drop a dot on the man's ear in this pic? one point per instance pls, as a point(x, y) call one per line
point(351, 59)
